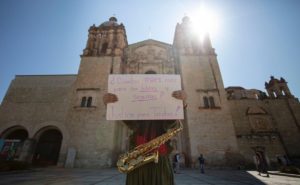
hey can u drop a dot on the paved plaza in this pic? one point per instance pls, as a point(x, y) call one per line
point(57, 176)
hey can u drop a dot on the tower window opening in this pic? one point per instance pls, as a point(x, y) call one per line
point(283, 92)
point(212, 102)
point(205, 101)
point(274, 94)
point(89, 102)
point(83, 102)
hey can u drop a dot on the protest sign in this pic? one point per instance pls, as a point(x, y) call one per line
point(144, 97)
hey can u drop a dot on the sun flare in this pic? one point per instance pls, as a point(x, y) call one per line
point(205, 21)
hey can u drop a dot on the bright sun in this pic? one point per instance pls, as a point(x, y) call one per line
point(205, 22)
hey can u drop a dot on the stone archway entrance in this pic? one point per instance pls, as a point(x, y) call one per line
point(19, 134)
point(12, 142)
point(48, 147)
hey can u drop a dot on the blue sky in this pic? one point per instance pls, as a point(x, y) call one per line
point(256, 39)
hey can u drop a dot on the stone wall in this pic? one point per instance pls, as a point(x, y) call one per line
point(286, 119)
point(210, 129)
point(93, 137)
point(265, 123)
point(38, 101)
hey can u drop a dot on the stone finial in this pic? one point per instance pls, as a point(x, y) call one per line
point(266, 84)
point(282, 79)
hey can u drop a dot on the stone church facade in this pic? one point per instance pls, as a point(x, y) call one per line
point(60, 119)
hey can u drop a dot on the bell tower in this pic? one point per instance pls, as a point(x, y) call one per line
point(102, 56)
point(278, 88)
point(188, 42)
point(106, 40)
point(208, 117)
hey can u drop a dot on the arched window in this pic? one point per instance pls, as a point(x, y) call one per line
point(283, 92)
point(83, 102)
point(15, 132)
point(205, 101)
point(89, 102)
point(212, 101)
point(104, 48)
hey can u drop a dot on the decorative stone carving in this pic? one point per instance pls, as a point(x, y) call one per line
point(260, 124)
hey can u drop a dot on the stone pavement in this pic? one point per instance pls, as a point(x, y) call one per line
point(58, 176)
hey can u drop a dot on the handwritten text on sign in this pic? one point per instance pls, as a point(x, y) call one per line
point(144, 97)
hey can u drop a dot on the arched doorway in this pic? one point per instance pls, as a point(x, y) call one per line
point(12, 142)
point(48, 147)
point(16, 132)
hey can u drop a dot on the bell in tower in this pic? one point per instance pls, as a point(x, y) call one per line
point(108, 39)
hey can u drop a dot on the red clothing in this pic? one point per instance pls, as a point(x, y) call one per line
point(151, 173)
point(140, 140)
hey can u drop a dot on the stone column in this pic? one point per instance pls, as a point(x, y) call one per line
point(27, 150)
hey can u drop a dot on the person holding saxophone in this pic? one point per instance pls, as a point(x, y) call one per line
point(160, 173)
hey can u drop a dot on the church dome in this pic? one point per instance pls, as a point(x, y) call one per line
point(111, 22)
point(186, 19)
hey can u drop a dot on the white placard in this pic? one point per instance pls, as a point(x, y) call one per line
point(144, 97)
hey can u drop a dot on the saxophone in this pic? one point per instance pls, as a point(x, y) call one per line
point(145, 153)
